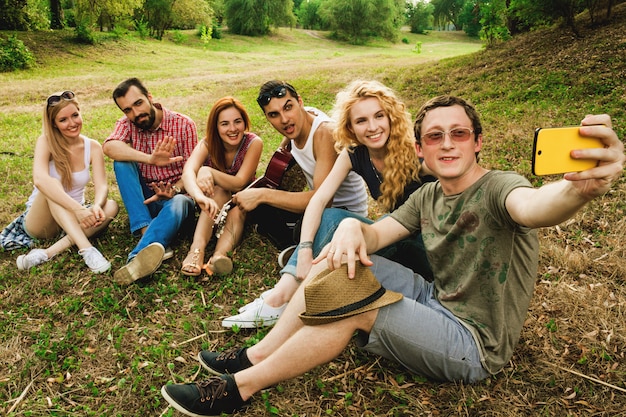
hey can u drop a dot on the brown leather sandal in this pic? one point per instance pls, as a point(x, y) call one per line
point(193, 268)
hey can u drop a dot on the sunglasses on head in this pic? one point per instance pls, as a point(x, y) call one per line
point(66, 95)
point(276, 92)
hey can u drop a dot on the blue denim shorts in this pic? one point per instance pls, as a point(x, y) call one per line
point(418, 332)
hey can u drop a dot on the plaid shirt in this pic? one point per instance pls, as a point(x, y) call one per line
point(14, 236)
point(181, 127)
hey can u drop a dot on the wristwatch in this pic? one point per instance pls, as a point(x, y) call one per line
point(177, 189)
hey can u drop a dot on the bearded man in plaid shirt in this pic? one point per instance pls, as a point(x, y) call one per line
point(149, 146)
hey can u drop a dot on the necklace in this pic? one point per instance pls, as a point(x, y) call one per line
point(380, 181)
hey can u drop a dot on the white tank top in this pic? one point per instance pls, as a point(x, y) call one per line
point(351, 194)
point(79, 178)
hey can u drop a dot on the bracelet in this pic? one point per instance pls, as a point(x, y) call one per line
point(306, 245)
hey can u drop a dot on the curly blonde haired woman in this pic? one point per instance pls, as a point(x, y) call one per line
point(374, 137)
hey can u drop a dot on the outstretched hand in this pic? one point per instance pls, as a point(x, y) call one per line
point(598, 180)
point(162, 191)
point(162, 153)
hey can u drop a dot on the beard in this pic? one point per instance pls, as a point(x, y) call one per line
point(147, 124)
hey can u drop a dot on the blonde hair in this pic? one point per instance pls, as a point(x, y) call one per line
point(402, 164)
point(58, 144)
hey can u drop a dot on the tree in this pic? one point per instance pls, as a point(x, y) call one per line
point(448, 11)
point(162, 15)
point(567, 9)
point(256, 17)
point(524, 15)
point(493, 21)
point(13, 16)
point(104, 13)
point(419, 16)
point(309, 17)
point(188, 14)
point(217, 10)
point(56, 15)
point(535, 12)
point(357, 20)
point(470, 17)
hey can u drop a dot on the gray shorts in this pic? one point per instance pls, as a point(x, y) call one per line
point(418, 332)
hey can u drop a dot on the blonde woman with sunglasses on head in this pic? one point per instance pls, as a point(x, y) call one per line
point(61, 170)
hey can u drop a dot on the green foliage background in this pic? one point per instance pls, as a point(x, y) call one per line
point(355, 21)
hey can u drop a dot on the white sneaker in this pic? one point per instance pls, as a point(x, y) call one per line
point(283, 257)
point(168, 254)
point(258, 314)
point(94, 260)
point(33, 258)
point(255, 301)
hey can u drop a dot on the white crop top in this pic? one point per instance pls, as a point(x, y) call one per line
point(79, 178)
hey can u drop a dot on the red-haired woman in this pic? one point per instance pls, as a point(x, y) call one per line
point(224, 162)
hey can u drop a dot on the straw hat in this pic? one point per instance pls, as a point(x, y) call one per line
point(331, 296)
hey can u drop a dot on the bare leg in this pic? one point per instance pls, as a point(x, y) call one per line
point(39, 221)
point(292, 358)
point(73, 229)
point(195, 257)
point(220, 262)
point(194, 261)
point(288, 324)
point(282, 292)
point(45, 220)
point(110, 210)
point(233, 231)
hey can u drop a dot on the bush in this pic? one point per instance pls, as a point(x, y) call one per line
point(84, 34)
point(142, 29)
point(216, 33)
point(120, 30)
point(205, 34)
point(14, 55)
point(178, 37)
point(70, 17)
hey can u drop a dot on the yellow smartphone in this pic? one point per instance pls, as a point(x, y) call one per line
point(552, 147)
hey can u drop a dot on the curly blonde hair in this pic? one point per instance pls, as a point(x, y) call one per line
point(58, 144)
point(402, 164)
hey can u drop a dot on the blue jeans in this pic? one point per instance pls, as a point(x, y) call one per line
point(163, 218)
point(409, 252)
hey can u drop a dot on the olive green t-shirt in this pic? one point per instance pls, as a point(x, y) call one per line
point(484, 264)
